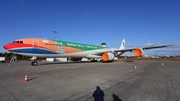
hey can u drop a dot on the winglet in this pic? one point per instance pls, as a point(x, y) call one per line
point(122, 44)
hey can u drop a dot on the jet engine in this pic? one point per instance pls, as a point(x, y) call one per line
point(138, 52)
point(108, 56)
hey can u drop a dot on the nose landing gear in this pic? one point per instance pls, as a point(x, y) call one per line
point(34, 63)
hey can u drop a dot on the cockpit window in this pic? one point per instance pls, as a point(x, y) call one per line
point(17, 42)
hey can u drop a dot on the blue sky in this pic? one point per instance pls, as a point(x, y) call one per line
point(140, 22)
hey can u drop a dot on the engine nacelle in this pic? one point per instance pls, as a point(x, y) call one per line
point(108, 56)
point(138, 52)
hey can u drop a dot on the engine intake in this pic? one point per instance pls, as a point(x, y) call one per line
point(108, 56)
point(138, 52)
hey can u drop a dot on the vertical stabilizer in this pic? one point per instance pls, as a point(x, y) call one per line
point(122, 44)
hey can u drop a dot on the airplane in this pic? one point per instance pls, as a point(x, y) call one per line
point(49, 48)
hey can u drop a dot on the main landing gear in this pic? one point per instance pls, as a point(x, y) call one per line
point(34, 63)
point(93, 60)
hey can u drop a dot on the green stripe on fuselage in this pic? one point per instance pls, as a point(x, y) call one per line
point(79, 46)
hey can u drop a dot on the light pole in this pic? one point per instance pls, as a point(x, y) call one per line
point(55, 34)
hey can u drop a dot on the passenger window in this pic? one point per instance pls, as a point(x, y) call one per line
point(17, 41)
point(21, 41)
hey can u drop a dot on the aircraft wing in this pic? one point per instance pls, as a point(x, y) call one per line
point(157, 46)
point(125, 50)
point(100, 52)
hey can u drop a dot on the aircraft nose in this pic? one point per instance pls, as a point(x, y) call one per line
point(4, 46)
point(7, 46)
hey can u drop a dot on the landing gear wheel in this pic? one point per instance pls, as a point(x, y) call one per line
point(34, 63)
point(93, 60)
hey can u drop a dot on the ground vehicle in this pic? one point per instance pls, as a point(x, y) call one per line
point(2, 59)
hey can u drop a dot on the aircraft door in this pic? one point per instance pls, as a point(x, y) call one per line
point(35, 45)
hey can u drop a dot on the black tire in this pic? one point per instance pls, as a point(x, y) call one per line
point(34, 63)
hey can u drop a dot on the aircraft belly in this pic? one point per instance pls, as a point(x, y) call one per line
point(78, 54)
point(44, 53)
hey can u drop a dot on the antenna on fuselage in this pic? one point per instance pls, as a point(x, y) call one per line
point(55, 34)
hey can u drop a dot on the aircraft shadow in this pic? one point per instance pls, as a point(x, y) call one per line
point(128, 61)
point(74, 62)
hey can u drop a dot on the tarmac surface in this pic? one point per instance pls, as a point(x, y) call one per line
point(77, 81)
